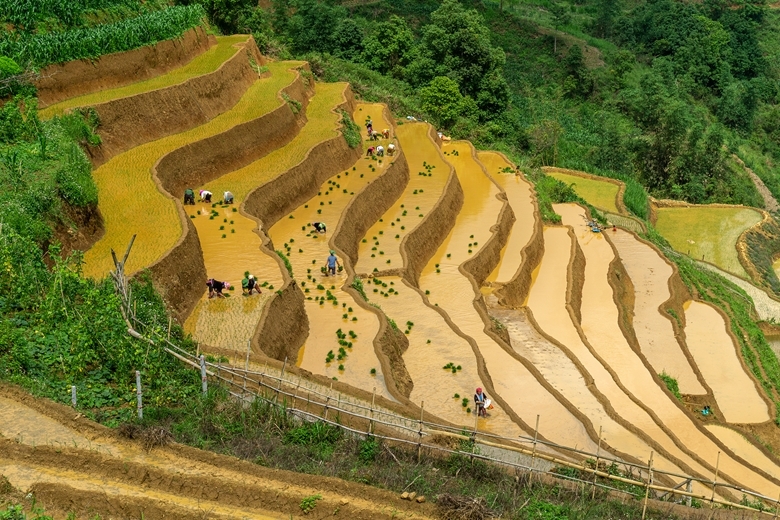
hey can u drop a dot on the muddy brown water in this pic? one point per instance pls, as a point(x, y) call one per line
point(432, 345)
point(715, 353)
point(381, 249)
point(744, 449)
point(453, 293)
point(600, 325)
point(547, 301)
point(520, 196)
point(650, 275)
point(229, 252)
point(308, 250)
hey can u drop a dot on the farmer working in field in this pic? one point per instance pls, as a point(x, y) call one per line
point(380, 151)
point(216, 287)
point(249, 284)
point(205, 196)
point(319, 227)
point(481, 400)
point(332, 263)
point(189, 197)
point(390, 149)
point(227, 197)
point(370, 151)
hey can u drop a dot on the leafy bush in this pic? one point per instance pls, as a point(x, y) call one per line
point(286, 261)
point(671, 384)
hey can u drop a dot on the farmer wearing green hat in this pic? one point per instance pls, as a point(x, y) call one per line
point(332, 263)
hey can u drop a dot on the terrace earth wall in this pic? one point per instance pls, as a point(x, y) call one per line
point(79, 77)
point(131, 121)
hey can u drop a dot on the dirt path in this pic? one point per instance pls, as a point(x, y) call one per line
point(72, 464)
point(770, 203)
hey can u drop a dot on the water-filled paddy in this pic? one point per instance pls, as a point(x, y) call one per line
point(716, 356)
point(229, 323)
point(429, 173)
point(454, 294)
point(707, 233)
point(330, 309)
point(207, 62)
point(601, 194)
point(649, 274)
point(130, 200)
point(600, 326)
point(519, 193)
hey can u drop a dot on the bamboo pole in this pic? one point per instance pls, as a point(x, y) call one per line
point(371, 412)
point(533, 452)
point(598, 455)
point(649, 483)
point(419, 443)
point(714, 483)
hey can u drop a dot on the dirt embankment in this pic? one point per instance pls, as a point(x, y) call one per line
point(284, 326)
point(758, 247)
point(421, 243)
point(131, 121)
point(197, 163)
point(77, 78)
point(79, 229)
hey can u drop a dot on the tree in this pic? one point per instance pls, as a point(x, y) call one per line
point(457, 44)
point(391, 47)
point(561, 17)
point(312, 26)
point(578, 82)
point(607, 12)
point(544, 139)
point(442, 100)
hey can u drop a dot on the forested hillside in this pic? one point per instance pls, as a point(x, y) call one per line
point(659, 93)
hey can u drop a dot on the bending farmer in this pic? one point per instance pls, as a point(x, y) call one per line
point(249, 284)
point(332, 263)
point(227, 197)
point(205, 196)
point(319, 227)
point(216, 287)
point(189, 197)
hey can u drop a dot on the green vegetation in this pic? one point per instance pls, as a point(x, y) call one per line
point(350, 130)
point(267, 435)
point(287, 263)
point(671, 384)
point(39, 50)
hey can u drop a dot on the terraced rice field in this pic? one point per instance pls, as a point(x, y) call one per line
point(583, 353)
point(601, 194)
point(331, 310)
point(429, 173)
point(707, 233)
point(231, 322)
point(650, 274)
point(202, 64)
point(132, 203)
point(519, 193)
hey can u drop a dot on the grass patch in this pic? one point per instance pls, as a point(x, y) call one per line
point(550, 190)
point(671, 385)
point(357, 284)
point(601, 194)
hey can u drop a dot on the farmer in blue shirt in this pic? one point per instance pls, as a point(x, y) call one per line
point(332, 263)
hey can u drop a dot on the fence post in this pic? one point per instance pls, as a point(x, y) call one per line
point(689, 489)
point(595, 473)
point(203, 381)
point(777, 507)
point(714, 482)
point(338, 407)
point(281, 378)
point(371, 412)
point(533, 452)
point(139, 394)
point(419, 443)
point(248, 349)
point(170, 319)
point(647, 487)
point(73, 395)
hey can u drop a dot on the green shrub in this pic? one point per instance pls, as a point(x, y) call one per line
point(350, 130)
point(671, 384)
